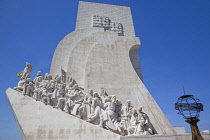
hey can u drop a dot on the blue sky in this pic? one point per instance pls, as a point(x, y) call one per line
point(175, 37)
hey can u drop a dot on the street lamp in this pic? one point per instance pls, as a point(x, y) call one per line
point(189, 108)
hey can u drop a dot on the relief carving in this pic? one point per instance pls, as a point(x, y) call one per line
point(97, 108)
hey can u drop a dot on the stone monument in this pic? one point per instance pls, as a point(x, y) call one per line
point(94, 89)
point(102, 52)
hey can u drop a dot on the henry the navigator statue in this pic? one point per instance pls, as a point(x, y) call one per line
point(102, 52)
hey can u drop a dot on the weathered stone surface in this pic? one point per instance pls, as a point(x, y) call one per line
point(120, 14)
point(180, 130)
point(40, 122)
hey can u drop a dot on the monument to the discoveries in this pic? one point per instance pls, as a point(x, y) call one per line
point(101, 55)
point(102, 52)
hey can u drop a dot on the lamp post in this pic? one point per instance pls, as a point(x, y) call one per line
point(189, 108)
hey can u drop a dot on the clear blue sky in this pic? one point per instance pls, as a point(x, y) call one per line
point(175, 37)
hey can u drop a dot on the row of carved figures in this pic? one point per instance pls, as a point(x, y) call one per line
point(97, 108)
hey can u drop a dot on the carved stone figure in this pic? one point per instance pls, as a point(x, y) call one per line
point(26, 84)
point(49, 84)
point(73, 96)
point(118, 108)
point(30, 89)
point(143, 126)
point(89, 97)
point(43, 94)
point(85, 109)
point(140, 124)
point(45, 81)
point(71, 82)
point(60, 95)
point(38, 79)
point(96, 109)
point(59, 89)
point(20, 74)
point(50, 89)
point(37, 95)
point(125, 115)
point(23, 75)
point(96, 101)
point(20, 85)
point(27, 70)
point(133, 122)
point(103, 94)
point(37, 82)
point(68, 101)
point(77, 105)
point(63, 76)
point(108, 118)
